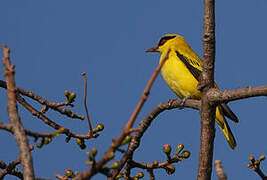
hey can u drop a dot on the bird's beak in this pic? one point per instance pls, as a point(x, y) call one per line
point(154, 49)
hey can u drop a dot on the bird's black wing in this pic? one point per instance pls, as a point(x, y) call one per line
point(196, 73)
point(187, 62)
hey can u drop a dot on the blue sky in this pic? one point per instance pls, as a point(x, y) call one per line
point(53, 42)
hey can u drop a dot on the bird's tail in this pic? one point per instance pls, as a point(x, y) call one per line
point(225, 128)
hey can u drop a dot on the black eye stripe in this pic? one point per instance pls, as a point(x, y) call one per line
point(163, 40)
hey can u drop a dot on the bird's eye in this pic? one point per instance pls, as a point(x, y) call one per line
point(161, 42)
point(164, 40)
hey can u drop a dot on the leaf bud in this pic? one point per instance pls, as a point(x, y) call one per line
point(167, 149)
point(170, 169)
point(185, 154)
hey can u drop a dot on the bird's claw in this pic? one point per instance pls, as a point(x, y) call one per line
point(184, 99)
point(170, 101)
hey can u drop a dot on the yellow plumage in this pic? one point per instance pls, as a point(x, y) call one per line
point(181, 72)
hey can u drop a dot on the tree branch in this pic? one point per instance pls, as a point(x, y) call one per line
point(219, 170)
point(255, 165)
point(85, 105)
point(218, 97)
point(9, 128)
point(51, 123)
point(207, 110)
point(19, 133)
point(144, 125)
point(43, 101)
point(10, 169)
point(14, 171)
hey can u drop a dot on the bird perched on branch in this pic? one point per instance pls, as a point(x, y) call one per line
point(182, 70)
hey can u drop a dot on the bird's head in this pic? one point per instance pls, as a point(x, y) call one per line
point(168, 41)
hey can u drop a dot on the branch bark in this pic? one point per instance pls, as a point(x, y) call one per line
point(19, 133)
point(219, 169)
point(207, 110)
point(218, 97)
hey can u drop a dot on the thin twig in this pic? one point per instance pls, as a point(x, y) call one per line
point(9, 128)
point(255, 165)
point(146, 92)
point(127, 170)
point(134, 164)
point(15, 172)
point(17, 161)
point(219, 170)
point(85, 106)
point(43, 101)
point(151, 174)
point(50, 122)
point(60, 177)
point(19, 133)
point(12, 170)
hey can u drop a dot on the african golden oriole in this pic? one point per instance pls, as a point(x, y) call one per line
point(181, 71)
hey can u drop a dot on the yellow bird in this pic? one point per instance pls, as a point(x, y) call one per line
point(181, 71)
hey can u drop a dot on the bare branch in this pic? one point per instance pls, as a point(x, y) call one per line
point(43, 101)
point(255, 165)
point(19, 133)
point(50, 122)
point(218, 97)
point(9, 128)
point(14, 171)
point(10, 169)
point(85, 106)
point(219, 170)
point(151, 174)
point(146, 93)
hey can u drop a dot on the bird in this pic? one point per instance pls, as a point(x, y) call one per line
point(181, 71)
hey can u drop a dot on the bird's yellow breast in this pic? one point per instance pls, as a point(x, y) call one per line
point(178, 77)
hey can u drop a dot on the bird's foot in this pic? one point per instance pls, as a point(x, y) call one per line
point(170, 102)
point(183, 101)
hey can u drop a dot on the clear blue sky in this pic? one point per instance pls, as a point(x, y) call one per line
point(53, 42)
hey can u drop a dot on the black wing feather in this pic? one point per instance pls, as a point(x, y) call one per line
point(229, 113)
point(194, 71)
